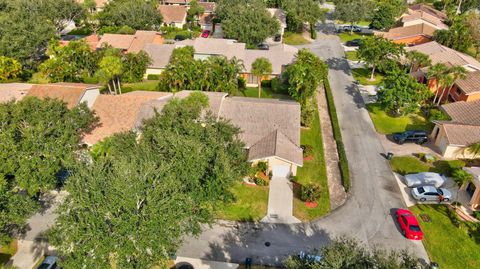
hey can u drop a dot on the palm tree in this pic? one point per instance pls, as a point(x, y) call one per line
point(438, 72)
point(417, 59)
point(454, 73)
point(474, 149)
point(261, 67)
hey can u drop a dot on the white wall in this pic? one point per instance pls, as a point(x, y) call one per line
point(153, 71)
point(90, 96)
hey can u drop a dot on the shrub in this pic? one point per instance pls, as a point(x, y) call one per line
point(275, 85)
point(260, 181)
point(310, 192)
point(262, 167)
point(90, 80)
point(108, 30)
point(266, 83)
point(308, 113)
point(313, 32)
point(452, 214)
point(476, 214)
point(435, 114)
point(126, 30)
point(153, 77)
point(461, 176)
point(242, 83)
point(307, 150)
point(81, 31)
point(343, 161)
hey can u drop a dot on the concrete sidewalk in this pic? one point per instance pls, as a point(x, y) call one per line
point(280, 202)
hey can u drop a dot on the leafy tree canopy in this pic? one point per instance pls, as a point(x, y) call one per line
point(9, 68)
point(130, 207)
point(300, 11)
point(401, 93)
point(379, 53)
point(458, 37)
point(386, 12)
point(353, 11)
point(246, 21)
point(348, 253)
point(137, 14)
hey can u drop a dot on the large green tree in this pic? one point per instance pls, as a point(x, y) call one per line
point(304, 77)
point(246, 20)
point(379, 53)
point(386, 13)
point(38, 138)
point(417, 60)
point(299, 12)
point(137, 14)
point(458, 37)
point(473, 21)
point(131, 207)
point(353, 11)
point(401, 93)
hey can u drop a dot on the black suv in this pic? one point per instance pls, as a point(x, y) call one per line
point(418, 137)
point(354, 43)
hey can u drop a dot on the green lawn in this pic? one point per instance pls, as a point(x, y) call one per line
point(387, 124)
point(363, 76)
point(7, 252)
point(351, 55)
point(410, 165)
point(446, 244)
point(140, 86)
point(251, 203)
point(313, 171)
point(344, 37)
point(266, 93)
point(294, 39)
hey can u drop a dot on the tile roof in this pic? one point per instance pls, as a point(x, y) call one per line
point(408, 31)
point(276, 144)
point(209, 7)
point(279, 55)
point(463, 112)
point(131, 43)
point(214, 46)
point(13, 91)
point(471, 84)
point(461, 135)
point(70, 93)
point(173, 13)
point(425, 16)
point(441, 54)
point(428, 9)
point(160, 54)
point(117, 113)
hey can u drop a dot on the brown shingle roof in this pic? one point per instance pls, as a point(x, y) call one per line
point(13, 91)
point(160, 54)
point(70, 93)
point(173, 13)
point(215, 46)
point(471, 84)
point(428, 9)
point(461, 135)
point(464, 112)
point(408, 31)
point(279, 55)
point(441, 54)
point(117, 113)
point(131, 43)
point(209, 7)
point(276, 144)
point(427, 17)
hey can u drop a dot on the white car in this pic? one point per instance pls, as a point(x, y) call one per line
point(425, 179)
point(430, 193)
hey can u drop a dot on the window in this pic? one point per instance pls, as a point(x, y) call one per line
point(459, 91)
point(414, 228)
point(404, 220)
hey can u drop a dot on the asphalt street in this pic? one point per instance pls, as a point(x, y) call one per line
point(366, 215)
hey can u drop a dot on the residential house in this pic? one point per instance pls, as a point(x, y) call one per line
point(279, 14)
point(130, 43)
point(206, 19)
point(270, 128)
point(427, 9)
point(160, 55)
point(423, 14)
point(72, 94)
point(409, 35)
point(117, 113)
point(455, 136)
point(472, 188)
point(13, 91)
point(442, 54)
point(91, 40)
point(174, 15)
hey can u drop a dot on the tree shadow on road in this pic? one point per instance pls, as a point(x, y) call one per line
point(339, 64)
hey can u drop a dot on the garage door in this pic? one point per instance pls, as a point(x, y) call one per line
point(280, 170)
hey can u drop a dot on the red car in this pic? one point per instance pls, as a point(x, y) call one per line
point(205, 33)
point(409, 224)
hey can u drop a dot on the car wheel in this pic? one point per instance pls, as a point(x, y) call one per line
point(404, 233)
point(423, 199)
point(445, 200)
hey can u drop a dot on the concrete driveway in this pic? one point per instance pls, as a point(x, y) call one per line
point(280, 202)
point(367, 214)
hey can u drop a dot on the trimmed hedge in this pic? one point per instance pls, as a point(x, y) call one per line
point(153, 77)
point(343, 164)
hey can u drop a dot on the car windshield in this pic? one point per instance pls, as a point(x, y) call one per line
point(43, 266)
point(440, 191)
point(421, 190)
point(414, 228)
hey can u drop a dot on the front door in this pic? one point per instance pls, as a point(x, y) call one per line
point(471, 189)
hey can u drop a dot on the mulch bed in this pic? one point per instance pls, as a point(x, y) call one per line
point(313, 204)
point(308, 158)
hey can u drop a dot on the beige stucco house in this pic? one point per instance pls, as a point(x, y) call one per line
point(473, 188)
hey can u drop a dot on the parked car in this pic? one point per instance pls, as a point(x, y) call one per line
point(409, 224)
point(263, 46)
point(50, 262)
point(277, 38)
point(416, 136)
point(180, 37)
point(348, 28)
point(205, 33)
point(425, 179)
point(430, 193)
point(353, 43)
